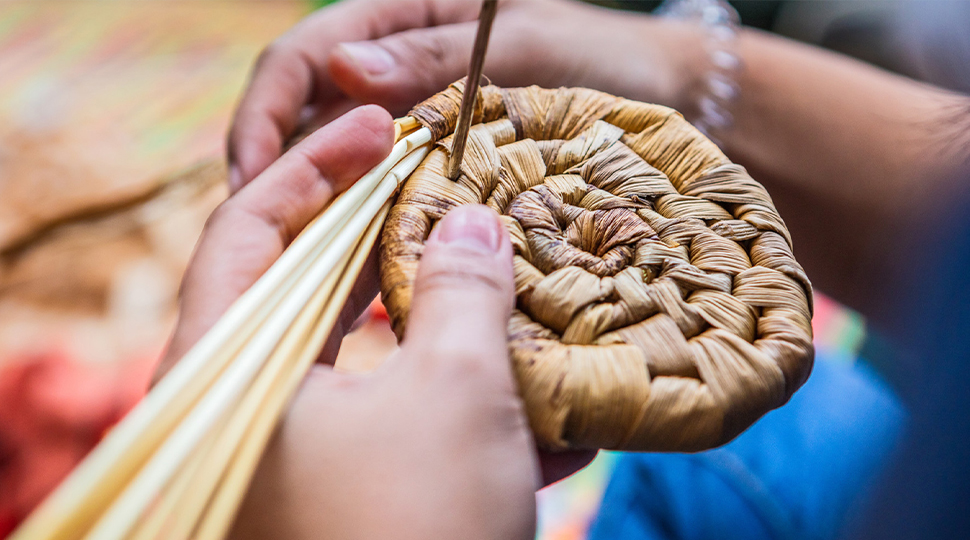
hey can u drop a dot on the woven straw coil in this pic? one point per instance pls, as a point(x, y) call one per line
point(659, 306)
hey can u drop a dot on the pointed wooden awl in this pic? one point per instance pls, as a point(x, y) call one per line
point(468, 98)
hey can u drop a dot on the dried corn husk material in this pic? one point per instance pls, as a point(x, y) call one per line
point(659, 306)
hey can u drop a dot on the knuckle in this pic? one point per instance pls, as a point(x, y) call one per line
point(268, 55)
point(232, 215)
point(461, 276)
point(222, 213)
point(458, 357)
point(284, 65)
point(457, 365)
point(466, 371)
point(425, 47)
point(431, 55)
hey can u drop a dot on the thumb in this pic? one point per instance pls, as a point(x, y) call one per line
point(401, 69)
point(463, 293)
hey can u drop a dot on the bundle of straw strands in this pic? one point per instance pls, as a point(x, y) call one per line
point(178, 465)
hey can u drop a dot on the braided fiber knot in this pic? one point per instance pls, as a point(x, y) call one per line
point(659, 306)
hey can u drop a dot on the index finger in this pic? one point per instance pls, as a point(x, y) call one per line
point(292, 72)
point(248, 232)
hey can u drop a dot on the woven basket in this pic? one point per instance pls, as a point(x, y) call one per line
point(659, 306)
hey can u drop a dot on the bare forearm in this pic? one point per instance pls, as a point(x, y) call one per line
point(854, 156)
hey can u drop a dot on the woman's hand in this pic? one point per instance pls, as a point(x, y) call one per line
point(395, 53)
point(435, 443)
point(247, 233)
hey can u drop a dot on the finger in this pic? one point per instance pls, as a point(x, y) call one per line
point(463, 293)
point(402, 69)
point(292, 72)
point(248, 232)
point(268, 112)
point(559, 465)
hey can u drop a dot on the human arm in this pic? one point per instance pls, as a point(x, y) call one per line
point(854, 156)
point(859, 161)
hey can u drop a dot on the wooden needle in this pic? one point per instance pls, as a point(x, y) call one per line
point(468, 98)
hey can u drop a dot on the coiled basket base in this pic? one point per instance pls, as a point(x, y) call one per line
point(659, 306)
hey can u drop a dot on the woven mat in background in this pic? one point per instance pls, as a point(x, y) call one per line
point(98, 100)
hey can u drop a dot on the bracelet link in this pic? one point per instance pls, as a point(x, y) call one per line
point(719, 89)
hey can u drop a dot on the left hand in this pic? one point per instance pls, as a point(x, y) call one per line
point(435, 443)
point(439, 428)
point(247, 233)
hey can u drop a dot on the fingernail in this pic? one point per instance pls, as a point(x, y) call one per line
point(235, 178)
point(374, 59)
point(474, 227)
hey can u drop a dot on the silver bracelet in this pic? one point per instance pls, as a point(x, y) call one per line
point(719, 89)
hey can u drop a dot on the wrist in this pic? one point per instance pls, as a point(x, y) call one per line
point(681, 63)
point(710, 67)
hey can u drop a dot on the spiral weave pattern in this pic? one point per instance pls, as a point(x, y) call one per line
point(659, 306)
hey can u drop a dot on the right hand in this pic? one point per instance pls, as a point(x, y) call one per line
point(395, 53)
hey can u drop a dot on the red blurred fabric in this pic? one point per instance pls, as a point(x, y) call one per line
point(53, 410)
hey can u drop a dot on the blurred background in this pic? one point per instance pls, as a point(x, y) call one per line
point(112, 123)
